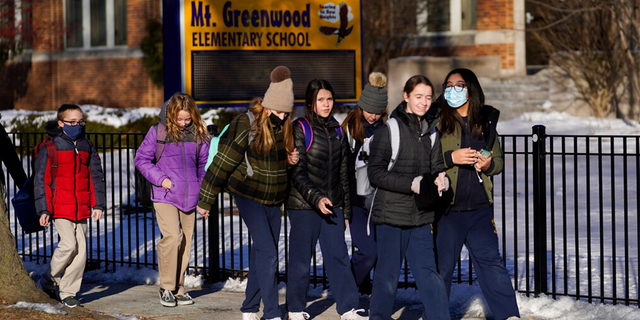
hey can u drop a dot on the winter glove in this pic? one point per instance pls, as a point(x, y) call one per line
point(442, 181)
point(415, 184)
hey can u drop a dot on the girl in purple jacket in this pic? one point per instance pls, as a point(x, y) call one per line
point(175, 172)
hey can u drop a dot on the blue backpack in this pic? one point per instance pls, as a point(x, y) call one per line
point(215, 140)
point(308, 132)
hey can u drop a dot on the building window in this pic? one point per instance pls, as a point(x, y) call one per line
point(95, 23)
point(73, 19)
point(468, 15)
point(446, 15)
point(437, 14)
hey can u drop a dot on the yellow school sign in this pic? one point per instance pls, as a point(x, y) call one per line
point(230, 47)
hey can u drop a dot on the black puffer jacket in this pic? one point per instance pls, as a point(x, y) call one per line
point(322, 171)
point(394, 203)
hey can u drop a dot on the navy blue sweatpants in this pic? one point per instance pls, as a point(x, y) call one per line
point(416, 244)
point(264, 225)
point(366, 254)
point(307, 227)
point(477, 231)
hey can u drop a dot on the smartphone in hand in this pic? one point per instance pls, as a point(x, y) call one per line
point(485, 153)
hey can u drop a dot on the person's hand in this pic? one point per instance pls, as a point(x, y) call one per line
point(442, 182)
point(204, 213)
point(483, 163)
point(415, 184)
point(293, 157)
point(322, 205)
point(96, 214)
point(166, 183)
point(464, 156)
point(44, 220)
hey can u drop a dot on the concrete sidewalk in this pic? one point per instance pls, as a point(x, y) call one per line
point(211, 302)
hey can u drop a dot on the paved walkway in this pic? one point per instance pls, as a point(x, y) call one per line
point(211, 302)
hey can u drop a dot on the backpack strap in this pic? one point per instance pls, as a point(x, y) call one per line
point(252, 135)
point(52, 154)
point(339, 131)
point(350, 140)
point(161, 132)
point(308, 133)
point(394, 137)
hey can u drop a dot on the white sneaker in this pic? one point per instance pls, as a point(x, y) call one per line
point(250, 316)
point(353, 315)
point(298, 316)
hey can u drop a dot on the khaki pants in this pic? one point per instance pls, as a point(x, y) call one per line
point(174, 249)
point(67, 263)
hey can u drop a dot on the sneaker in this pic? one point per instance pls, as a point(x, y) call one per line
point(276, 318)
point(250, 316)
point(70, 302)
point(50, 292)
point(298, 316)
point(183, 299)
point(167, 299)
point(353, 315)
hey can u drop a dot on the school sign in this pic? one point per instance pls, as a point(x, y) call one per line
point(222, 52)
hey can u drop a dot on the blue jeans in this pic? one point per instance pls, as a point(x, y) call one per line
point(307, 227)
point(264, 224)
point(476, 230)
point(364, 258)
point(416, 244)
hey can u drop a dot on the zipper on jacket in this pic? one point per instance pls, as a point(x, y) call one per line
point(75, 163)
point(329, 193)
point(186, 180)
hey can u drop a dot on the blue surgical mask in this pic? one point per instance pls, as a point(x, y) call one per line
point(455, 98)
point(73, 132)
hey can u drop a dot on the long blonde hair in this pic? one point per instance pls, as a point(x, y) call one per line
point(184, 102)
point(265, 139)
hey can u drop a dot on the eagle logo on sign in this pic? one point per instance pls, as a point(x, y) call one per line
point(344, 30)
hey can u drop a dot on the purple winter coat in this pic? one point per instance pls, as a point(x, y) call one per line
point(178, 163)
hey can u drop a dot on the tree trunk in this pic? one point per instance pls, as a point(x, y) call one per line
point(15, 283)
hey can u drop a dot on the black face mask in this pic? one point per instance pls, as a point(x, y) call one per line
point(277, 121)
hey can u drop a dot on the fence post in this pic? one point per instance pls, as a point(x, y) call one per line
point(214, 243)
point(539, 210)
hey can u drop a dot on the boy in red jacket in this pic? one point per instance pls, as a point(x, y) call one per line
point(68, 197)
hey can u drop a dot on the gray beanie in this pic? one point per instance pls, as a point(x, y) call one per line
point(279, 95)
point(373, 98)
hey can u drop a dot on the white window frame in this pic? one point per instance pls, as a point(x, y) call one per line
point(455, 20)
point(86, 26)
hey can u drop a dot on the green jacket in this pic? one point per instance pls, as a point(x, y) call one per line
point(450, 143)
point(269, 183)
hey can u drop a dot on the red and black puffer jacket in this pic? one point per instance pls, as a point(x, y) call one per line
point(79, 183)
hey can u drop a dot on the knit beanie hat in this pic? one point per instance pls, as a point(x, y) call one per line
point(373, 98)
point(279, 96)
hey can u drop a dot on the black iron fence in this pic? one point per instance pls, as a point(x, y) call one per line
point(565, 209)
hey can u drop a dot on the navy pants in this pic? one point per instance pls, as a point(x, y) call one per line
point(477, 231)
point(264, 225)
point(307, 227)
point(416, 244)
point(366, 254)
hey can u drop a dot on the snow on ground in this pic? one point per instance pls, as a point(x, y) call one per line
point(465, 299)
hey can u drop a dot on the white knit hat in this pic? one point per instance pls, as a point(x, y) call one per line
point(279, 96)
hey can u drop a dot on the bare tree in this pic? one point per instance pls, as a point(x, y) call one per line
point(388, 27)
point(595, 43)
